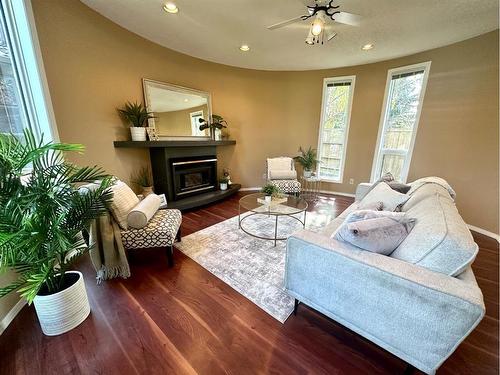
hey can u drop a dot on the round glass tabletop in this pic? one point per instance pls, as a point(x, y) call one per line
point(287, 205)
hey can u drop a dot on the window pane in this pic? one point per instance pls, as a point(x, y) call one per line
point(402, 107)
point(12, 116)
point(393, 164)
point(334, 128)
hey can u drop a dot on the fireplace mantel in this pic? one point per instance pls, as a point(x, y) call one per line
point(169, 144)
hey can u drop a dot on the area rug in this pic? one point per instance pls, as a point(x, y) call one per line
point(251, 266)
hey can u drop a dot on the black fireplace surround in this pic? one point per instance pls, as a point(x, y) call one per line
point(193, 175)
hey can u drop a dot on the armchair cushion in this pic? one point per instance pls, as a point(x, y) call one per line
point(160, 231)
point(124, 200)
point(144, 211)
point(282, 174)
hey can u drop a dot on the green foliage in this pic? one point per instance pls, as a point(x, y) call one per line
point(143, 177)
point(135, 113)
point(42, 215)
point(270, 189)
point(223, 180)
point(308, 158)
point(216, 122)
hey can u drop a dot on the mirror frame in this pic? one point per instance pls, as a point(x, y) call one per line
point(179, 89)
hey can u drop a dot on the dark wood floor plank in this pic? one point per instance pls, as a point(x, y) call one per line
point(185, 320)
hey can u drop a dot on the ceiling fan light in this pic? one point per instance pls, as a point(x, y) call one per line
point(367, 47)
point(317, 26)
point(170, 7)
point(310, 37)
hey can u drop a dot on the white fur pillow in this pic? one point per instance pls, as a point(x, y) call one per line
point(144, 211)
point(385, 194)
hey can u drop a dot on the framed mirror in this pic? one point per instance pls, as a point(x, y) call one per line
point(177, 110)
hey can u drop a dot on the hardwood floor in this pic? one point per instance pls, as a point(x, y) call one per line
point(185, 320)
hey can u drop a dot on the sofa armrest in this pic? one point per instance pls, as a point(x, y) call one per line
point(417, 314)
point(362, 189)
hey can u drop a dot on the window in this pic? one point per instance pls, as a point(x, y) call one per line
point(334, 127)
point(24, 98)
point(195, 123)
point(403, 100)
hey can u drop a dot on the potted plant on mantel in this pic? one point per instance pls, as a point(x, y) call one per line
point(216, 122)
point(144, 180)
point(137, 116)
point(42, 215)
point(308, 160)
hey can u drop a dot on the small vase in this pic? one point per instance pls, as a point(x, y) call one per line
point(146, 190)
point(138, 134)
point(268, 198)
point(223, 185)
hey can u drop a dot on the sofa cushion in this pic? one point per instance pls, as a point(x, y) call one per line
point(423, 192)
point(383, 193)
point(124, 200)
point(139, 216)
point(440, 240)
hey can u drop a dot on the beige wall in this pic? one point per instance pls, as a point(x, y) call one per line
point(94, 66)
point(177, 123)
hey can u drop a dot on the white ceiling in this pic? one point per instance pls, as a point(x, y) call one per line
point(214, 29)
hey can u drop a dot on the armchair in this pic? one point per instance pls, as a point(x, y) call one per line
point(281, 173)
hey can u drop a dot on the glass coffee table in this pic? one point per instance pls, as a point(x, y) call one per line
point(288, 206)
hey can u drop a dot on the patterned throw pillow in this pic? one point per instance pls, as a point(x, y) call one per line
point(383, 193)
point(124, 200)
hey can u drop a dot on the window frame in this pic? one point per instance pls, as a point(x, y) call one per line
point(326, 81)
point(28, 64)
point(377, 161)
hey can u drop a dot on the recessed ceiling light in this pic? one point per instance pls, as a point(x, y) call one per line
point(186, 100)
point(245, 48)
point(170, 7)
point(367, 47)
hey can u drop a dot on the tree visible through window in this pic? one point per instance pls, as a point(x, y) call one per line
point(336, 108)
point(400, 120)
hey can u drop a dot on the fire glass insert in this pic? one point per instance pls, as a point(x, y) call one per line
point(194, 175)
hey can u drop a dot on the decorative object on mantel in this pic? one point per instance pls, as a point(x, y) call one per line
point(308, 159)
point(225, 173)
point(152, 134)
point(144, 179)
point(136, 115)
point(41, 220)
point(215, 123)
point(223, 181)
point(271, 191)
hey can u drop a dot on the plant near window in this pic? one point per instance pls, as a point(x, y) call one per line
point(136, 115)
point(43, 214)
point(308, 160)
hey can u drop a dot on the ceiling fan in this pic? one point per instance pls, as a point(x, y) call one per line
point(322, 12)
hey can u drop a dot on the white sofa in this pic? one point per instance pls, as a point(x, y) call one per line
point(419, 303)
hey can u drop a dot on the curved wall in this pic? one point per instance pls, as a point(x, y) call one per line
point(94, 66)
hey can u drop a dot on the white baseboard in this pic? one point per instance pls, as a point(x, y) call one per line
point(250, 188)
point(4, 323)
point(485, 232)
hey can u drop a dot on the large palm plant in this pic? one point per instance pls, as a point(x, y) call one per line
point(42, 214)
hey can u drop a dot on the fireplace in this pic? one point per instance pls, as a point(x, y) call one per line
point(193, 175)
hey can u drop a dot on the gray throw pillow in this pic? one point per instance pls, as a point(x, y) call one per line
point(371, 206)
point(387, 177)
point(379, 234)
point(383, 193)
point(399, 187)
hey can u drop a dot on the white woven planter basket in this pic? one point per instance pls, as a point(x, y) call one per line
point(61, 312)
point(138, 134)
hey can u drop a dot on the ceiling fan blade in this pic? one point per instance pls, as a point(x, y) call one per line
point(330, 35)
point(285, 23)
point(348, 18)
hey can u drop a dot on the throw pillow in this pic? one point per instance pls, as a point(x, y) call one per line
point(399, 187)
point(282, 174)
point(383, 193)
point(144, 211)
point(372, 206)
point(124, 200)
point(387, 177)
point(380, 235)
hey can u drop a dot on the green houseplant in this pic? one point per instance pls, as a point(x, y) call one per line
point(42, 215)
point(270, 191)
point(215, 122)
point(137, 116)
point(144, 180)
point(223, 181)
point(308, 159)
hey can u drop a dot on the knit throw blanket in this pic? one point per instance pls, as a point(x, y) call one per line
point(107, 252)
point(417, 184)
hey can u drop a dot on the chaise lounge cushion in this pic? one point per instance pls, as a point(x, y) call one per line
point(144, 211)
point(282, 174)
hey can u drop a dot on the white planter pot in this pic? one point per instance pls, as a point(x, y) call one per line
point(268, 198)
point(223, 186)
point(307, 173)
point(147, 190)
point(61, 312)
point(138, 134)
